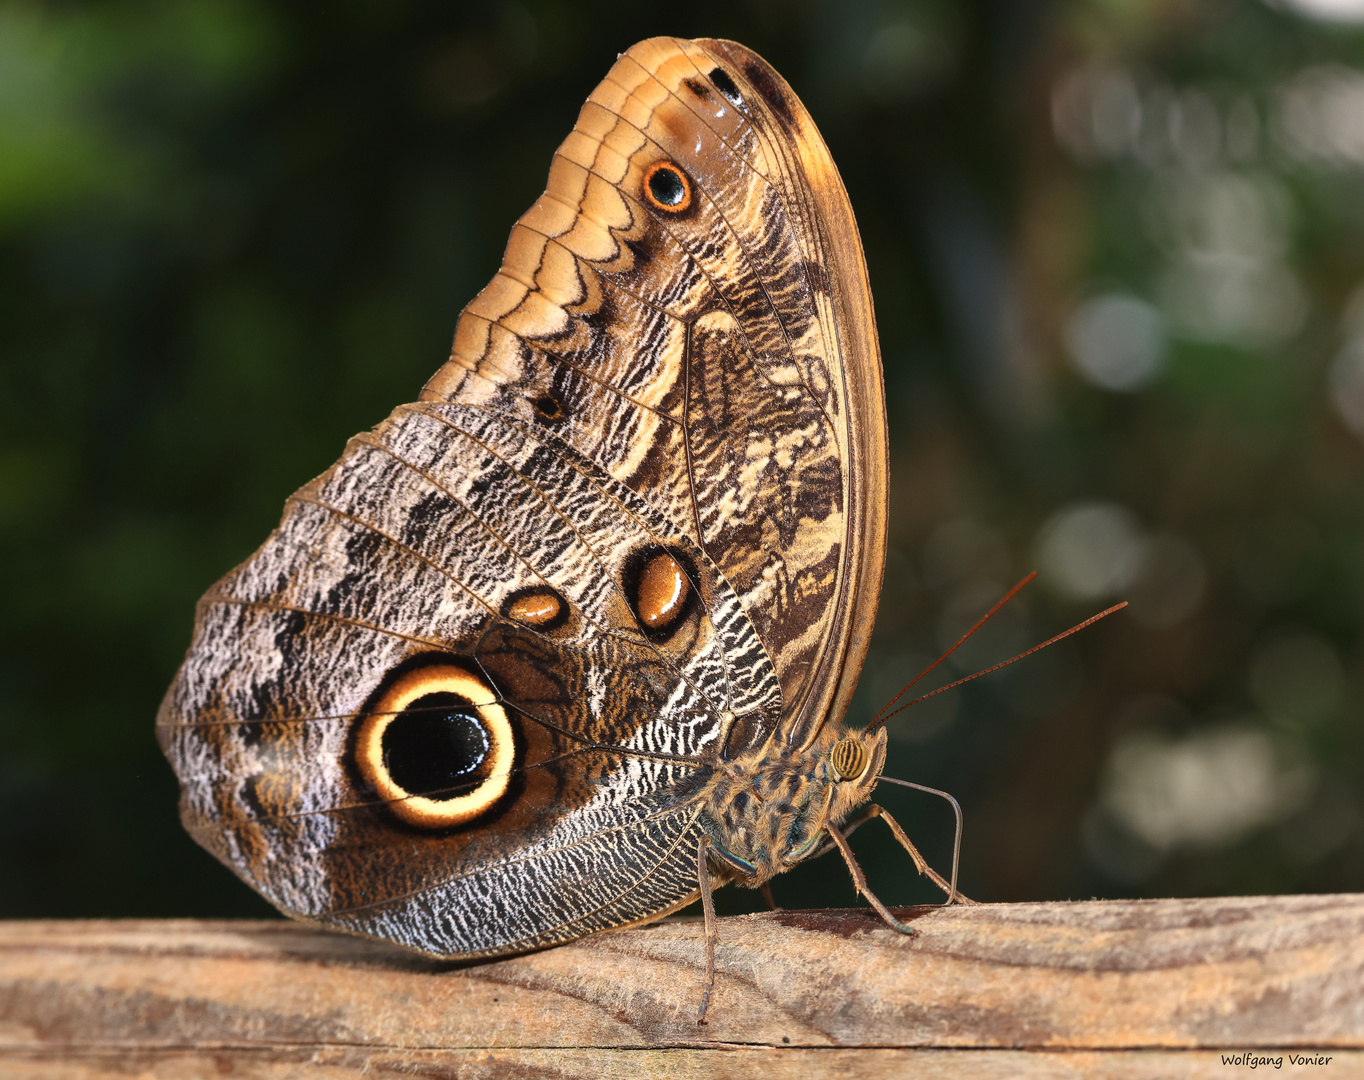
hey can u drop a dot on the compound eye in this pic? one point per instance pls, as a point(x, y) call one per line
point(849, 759)
point(438, 748)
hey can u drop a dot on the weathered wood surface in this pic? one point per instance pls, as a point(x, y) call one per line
point(1098, 989)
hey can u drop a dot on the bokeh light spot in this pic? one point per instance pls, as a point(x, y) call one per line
point(1090, 550)
point(1208, 788)
point(1116, 341)
point(1297, 679)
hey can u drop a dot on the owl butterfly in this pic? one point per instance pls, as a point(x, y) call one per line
point(569, 638)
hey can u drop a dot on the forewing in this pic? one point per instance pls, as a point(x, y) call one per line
point(720, 360)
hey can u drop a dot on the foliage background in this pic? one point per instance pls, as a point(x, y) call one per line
point(1115, 247)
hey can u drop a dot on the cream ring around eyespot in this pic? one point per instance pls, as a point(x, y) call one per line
point(495, 767)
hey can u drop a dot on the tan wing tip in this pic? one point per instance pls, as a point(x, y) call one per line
point(755, 76)
point(760, 79)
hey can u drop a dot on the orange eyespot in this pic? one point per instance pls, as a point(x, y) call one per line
point(662, 592)
point(538, 606)
point(535, 609)
point(667, 187)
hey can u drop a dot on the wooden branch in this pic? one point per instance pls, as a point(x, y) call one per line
point(1112, 989)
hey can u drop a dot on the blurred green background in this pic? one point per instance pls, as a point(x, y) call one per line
point(1117, 250)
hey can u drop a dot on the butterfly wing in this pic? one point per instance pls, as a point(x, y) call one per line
point(644, 399)
point(720, 358)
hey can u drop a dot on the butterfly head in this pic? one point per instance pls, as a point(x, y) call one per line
point(766, 809)
point(850, 762)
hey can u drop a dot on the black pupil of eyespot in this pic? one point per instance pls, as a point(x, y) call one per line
point(434, 745)
point(666, 186)
point(725, 85)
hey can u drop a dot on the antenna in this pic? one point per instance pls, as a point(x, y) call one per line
point(881, 717)
point(884, 716)
point(949, 887)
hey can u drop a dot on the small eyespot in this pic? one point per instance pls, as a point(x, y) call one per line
point(662, 591)
point(666, 187)
point(849, 758)
point(726, 86)
point(437, 748)
point(541, 608)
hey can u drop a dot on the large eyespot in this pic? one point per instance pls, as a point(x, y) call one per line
point(667, 187)
point(849, 758)
point(437, 747)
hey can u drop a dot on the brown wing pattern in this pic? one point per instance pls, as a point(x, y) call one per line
point(721, 361)
point(636, 524)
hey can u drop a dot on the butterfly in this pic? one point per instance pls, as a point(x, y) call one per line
point(567, 641)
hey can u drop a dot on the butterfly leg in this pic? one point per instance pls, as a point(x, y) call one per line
point(708, 908)
point(860, 881)
point(852, 826)
point(766, 890)
point(920, 863)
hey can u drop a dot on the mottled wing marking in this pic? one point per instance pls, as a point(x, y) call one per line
point(638, 869)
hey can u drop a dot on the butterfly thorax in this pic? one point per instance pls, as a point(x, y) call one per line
point(766, 810)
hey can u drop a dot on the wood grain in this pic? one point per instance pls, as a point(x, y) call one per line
point(1118, 988)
